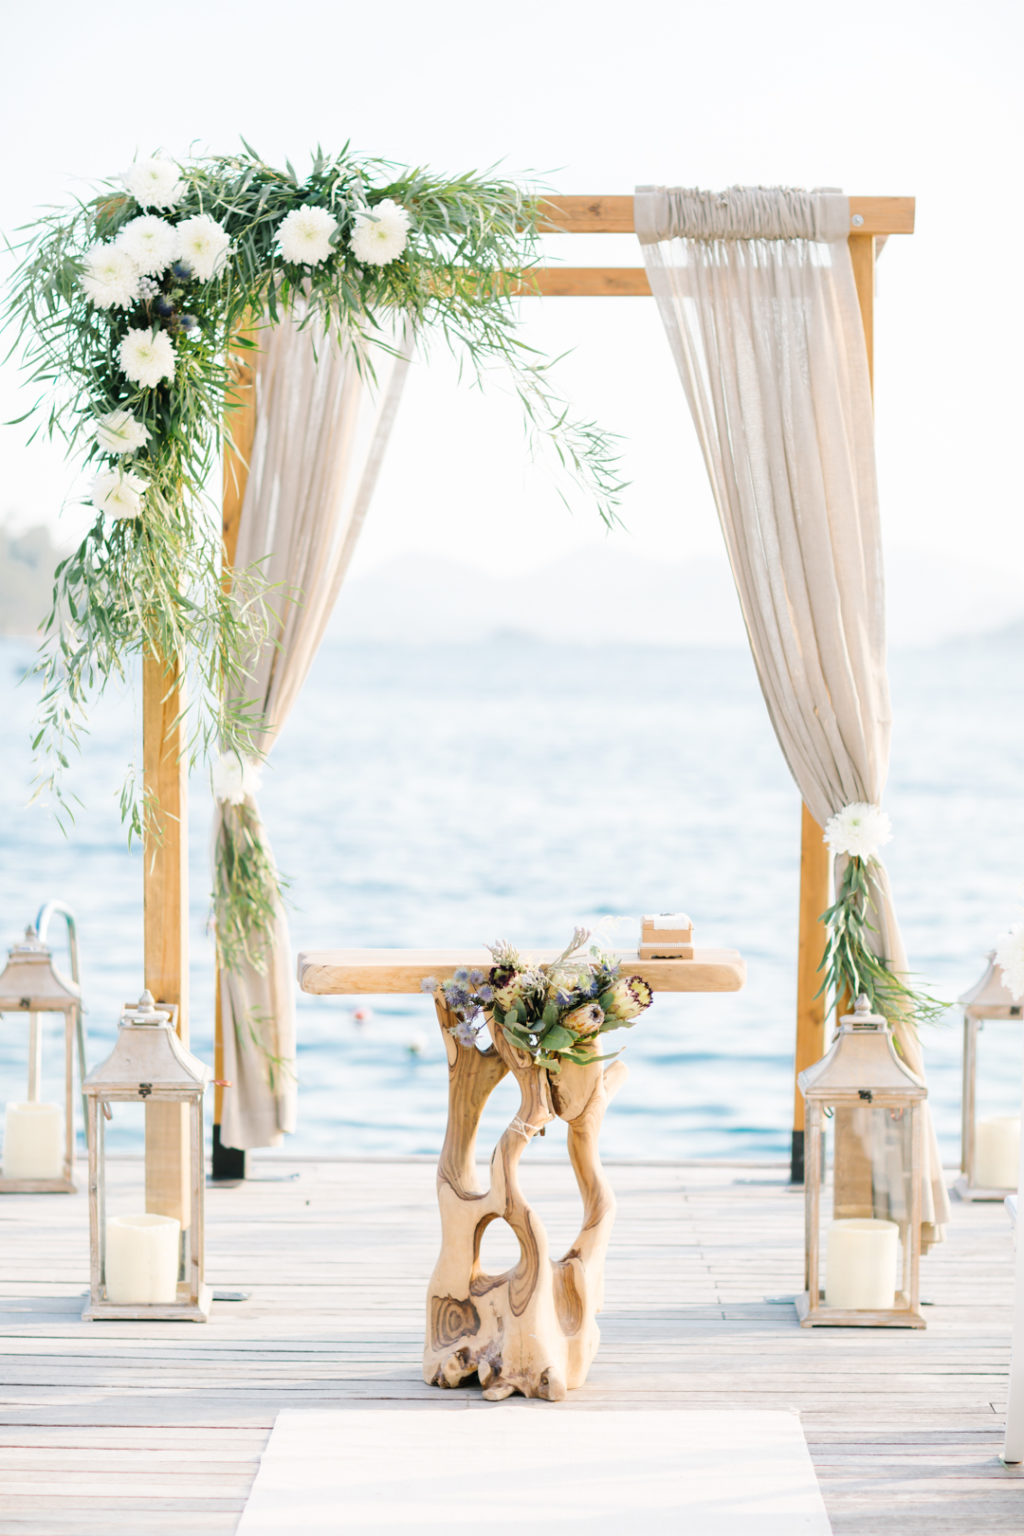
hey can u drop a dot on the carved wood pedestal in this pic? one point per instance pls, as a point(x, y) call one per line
point(532, 1329)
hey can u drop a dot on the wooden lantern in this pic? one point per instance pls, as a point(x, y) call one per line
point(39, 1136)
point(863, 1216)
point(145, 1263)
point(990, 1148)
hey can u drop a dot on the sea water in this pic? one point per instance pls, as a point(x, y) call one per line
point(452, 795)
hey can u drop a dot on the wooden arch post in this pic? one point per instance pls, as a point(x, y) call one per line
point(229, 1163)
point(165, 915)
point(872, 221)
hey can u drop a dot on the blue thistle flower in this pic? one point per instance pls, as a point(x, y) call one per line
point(181, 270)
point(428, 984)
point(189, 323)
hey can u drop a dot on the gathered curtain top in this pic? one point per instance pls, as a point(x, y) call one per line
point(739, 213)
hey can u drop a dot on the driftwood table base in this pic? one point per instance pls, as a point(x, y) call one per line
point(531, 1329)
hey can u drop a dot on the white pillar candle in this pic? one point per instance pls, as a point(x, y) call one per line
point(33, 1141)
point(997, 1152)
point(860, 1264)
point(141, 1261)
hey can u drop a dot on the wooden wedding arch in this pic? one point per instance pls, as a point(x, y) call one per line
point(165, 879)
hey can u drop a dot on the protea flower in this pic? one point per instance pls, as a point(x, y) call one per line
point(627, 997)
point(584, 1021)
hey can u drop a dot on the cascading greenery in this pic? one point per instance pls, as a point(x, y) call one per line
point(122, 310)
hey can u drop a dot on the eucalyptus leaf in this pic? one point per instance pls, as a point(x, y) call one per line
point(558, 1038)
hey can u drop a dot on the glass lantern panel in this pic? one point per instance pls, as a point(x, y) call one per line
point(996, 1127)
point(144, 1252)
point(866, 1194)
point(33, 1095)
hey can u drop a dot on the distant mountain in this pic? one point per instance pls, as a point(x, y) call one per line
point(599, 595)
point(27, 562)
point(607, 595)
point(604, 593)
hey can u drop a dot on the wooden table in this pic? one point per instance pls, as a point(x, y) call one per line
point(532, 1329)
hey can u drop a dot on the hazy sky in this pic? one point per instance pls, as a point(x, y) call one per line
point(883, 97)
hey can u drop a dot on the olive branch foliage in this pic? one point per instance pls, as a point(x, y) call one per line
point(152, 586)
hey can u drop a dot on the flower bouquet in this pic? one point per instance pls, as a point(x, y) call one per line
point(553, 1012)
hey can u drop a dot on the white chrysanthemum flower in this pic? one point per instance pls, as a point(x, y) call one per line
point(147, 357)
point(378, 237)
point(1010, 960)
point(155, 183)
point(859, 830)
point(150, 242)
point(204, 244)
point(111, 278)
point(234, 778)
point(119, 432)
point(304, 235)
point(118, 493)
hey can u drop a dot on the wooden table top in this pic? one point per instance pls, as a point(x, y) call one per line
point(328, 972)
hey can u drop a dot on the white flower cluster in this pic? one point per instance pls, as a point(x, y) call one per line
point(304, 236)
point(1010, 960)
point(234, 778)
point(858, 830)
point(120, 272)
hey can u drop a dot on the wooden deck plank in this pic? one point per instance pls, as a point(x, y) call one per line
point(101, 1421)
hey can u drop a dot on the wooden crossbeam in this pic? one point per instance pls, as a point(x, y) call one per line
point(872, 221)
point(579, 214)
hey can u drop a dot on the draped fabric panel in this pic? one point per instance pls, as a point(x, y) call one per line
point(756, 292)
point(321, 429)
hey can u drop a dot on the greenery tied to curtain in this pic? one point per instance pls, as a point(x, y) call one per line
point(122, 311)
point(851, 965)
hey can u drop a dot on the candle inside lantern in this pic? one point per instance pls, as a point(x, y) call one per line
point(33, 1141)
point(860, 1265)
point(141, 1260)
point(997, 1152)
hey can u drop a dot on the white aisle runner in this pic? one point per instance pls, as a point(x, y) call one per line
point(536, 1470)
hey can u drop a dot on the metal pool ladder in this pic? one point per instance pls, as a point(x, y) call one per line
point(47, 911)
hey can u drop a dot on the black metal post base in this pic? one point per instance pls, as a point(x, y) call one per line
point(796, 1159)
point(229, 1163)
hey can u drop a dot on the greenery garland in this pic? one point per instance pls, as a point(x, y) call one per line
point(122, 312)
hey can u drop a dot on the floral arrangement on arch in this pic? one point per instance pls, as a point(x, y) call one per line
point(123, 310)
point(555, 1012)
point(850, 964)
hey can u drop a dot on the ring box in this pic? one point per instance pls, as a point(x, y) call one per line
point(666, 936)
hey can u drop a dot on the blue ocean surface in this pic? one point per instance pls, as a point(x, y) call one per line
point(450, 795)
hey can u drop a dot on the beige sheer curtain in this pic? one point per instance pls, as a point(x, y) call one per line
point(321, 431)
point(755, 288)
